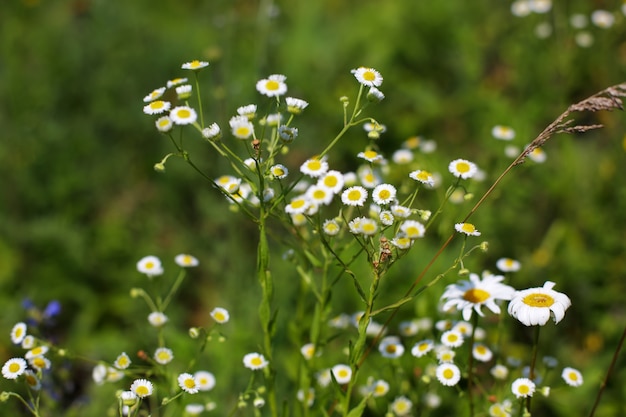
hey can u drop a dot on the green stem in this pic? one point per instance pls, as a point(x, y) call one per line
point(175, 286)
point(470, 365)
point(620, 344)
point(533, 362)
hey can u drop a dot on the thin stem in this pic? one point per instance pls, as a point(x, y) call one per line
point(179, 280)
point(618, 349)
point(533, 362)
point(470, 365)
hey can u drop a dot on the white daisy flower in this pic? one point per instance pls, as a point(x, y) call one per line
point(354, 196)
point(249, 111)
point(142, 388)
point(412, 229)
point(421, 348)
point(482, 353)
point(186, 261)
point(368, 226)
point(342, 373)
point(448, 374)
point(602, 19)
point(452, 338)
point(183, 92)
point(402, 157)
point(220, 315)
point(368, 77)
point(445, 354)
point(314, 167)
point(255, 361)
point(384, 194)
point(402, 242)
point(31, 380)
point(367, 177)
point(164, 124)
point(467, 229)
point(572, 377)
point(150, 265)
point(386, 217)
point(36, 351)
point(241, 127)
point(122, 361)
point(503, 132)
point(319, 195)
point(298, 205)
point(370, 156)
point(508, 265)
point(183, 115)
point(499, 371)
point(534, 306)
point(176, 81)
point(331, 227)
point(424, 177)
point(470, 295)
point(157, 107)
point(18, 333)
point(195, 65)
point(375, 95)
point(401, 406)
point(391, 347)
point(187, 383)
point(272, 86)
point(401, 212)
point(155, 94)
point(333, 180)
point(279, 171)
point(13, 368)
point(538, 155)
point(295, 105)
point(157, 319)
point(205, 380)
point(212, 132)
point(163, 355)
point(462, 168)
point(523, 388)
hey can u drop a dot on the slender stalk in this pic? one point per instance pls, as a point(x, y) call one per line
point(470, 365)
point(533, 362)
point(618, 349)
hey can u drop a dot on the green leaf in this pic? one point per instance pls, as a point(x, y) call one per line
point(358, 410)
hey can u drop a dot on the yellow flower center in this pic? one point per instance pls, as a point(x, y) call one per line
point(452, 338)
point(342, 373)
point(481, 350)
point(157, 104)
point(256, 361)
point(391, 348)
point(424, 175)
point(384, 194)
point(538, 300)
point(573, 376)
point(272, 85)
point(242, 131)
point(142, 391)
point(448, 373)
point(476, 295)
point(190, 383)
point(164, 123)
point(330, 181)
point(149, 265)
point(354, 195)
point(279, 172)
point(370, 154)
point(423, 346)
point(462, 167)
point(314, 165)
point(468, 228)
point(524, 389)
point(14, 367)
point(319, 194)
point(219, 316)
point(369, 76)
point(184, 113)
point(298, 203)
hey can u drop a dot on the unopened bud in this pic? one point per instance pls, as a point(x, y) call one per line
point(463, 272)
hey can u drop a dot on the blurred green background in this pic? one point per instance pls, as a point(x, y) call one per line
point(80, 203)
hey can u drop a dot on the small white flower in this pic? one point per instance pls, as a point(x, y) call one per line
point(164, 124)
point(295, 105)
point(211, 132)
point(186, 261)
point(157, 319)
point(354, 196)
point(220, 315)
point(412, 229)
point(401, 406)
point(508, 265)
point(503, 132)
point(150, 265)
point(241, 127)
point(384, 194)
point(342, 373)
point(331, 227)
point(462, 168)
point(572, 377)
point(368, 77)
point(205, 380)
point(482, 353)
point(314, 167)
point(18, 333)
point(499, 371)
point(523, 387)
point(279, 171)
point(467, 229)
point(421, 348)
point(195, 65)
point(272, 86)
point(157, 107)
point(13, 368)
point(155, 94)
point(187, 383)
point(452, 338)
point(424, 177)
point(534, 306)
point(122, 361)
point(163, 355)
point(602, 19)
point(183, 115)
point(391, 347)
point(255, 361)
point(142, 388)
point(448, 374)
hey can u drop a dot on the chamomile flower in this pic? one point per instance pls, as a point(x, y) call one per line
point(534, 306)
point(157, 107)
point(183, 92)
point(499, 371)
point(279, 171)
point(421, 348)
point(324, 378)
point(354, 196)
point(194, 409)
point(384, 194)
point(602, 19)
point(448, 374)
point(254, 361)
point(205, 380)
point(538, 155)
point(220, 315)
point(502, 409)
point(462, 168)
point(572, 377)
point(386, 218)
point(401, 406)
point(424, 177)
point(319, 195)
point(314, 167)
point(354, 225)
point(157, 319)
point(379, 388)
point(307, 351)
point(287, 133)
point(122, 361)
point(470, 295)
point(452, 338)
point(13, 368)
point(391, 347)
point(150, 265)
point(39, 362)
point(368, 77)
point(523, 388)
point(333, 180)
point(249, 111)
point(155, 94)
point(402, 242)
point(342, 373)
point(375, 95)
point(142, 388)
point(31, 380)
point(272, 86)
point(298, 205)
point(307, 397)
point(186, 261)
point(368, 177)
point(482, 353)
point(183, 115)
point(503, 132)
point(36, 351)
point(187, 383)
point(402, 157)
point(228, 183)
point(445, 354)
point(195, 65)
point(212, 132)
point(368, 226)
point(176, 81)
point(401, 212)
point(331, 227)
point(164, 124)
point(508, 265)
point(163, 355)
point(412, 229)
point(295, 105)
point(467, 228)
point(241, 127)
point(18, 333)
point(370, 156)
